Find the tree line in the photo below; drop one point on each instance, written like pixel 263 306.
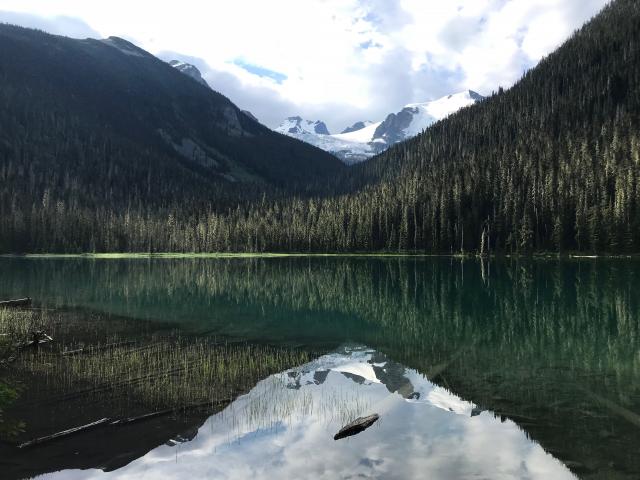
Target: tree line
pixel 552 164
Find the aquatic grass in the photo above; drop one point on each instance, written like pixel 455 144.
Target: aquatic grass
pixel 17 327
pixel 166 371
pixel 16 324
pixel 163 370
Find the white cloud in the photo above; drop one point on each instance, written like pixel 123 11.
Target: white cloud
pixel 344 60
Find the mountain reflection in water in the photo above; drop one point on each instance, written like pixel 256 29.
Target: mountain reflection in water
pixel 283 428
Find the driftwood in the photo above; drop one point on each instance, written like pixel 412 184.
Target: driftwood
pixel 64 433
pixel 140 418
pixel 21 302
pixel 161 413
pixel 357 426
pixel 113 423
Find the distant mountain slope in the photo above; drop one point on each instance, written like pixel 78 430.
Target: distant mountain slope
pixel 189 70
pixel 349 147
pixel 299 126
pixel 416 117
pixel 136 97
pixel 356 126
pixel 94 129
pixel 192 71
pixel 365 139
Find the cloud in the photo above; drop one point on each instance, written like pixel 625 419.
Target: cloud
pixel 336 60
pixel 61 25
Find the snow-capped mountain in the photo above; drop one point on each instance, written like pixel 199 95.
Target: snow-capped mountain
pixel 415 117
pixel 365 139
pixel 350 147
pixel 299 126
pixel 189 70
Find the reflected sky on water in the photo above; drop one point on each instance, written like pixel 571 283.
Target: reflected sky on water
pixel 284 427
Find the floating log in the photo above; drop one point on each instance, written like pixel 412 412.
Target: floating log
pixel 357 426
pixel 20 302
pixel 64 433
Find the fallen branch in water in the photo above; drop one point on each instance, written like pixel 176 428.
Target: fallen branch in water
pixel 161 413
pixel 139 418
pixel 112 422
pixel 64 433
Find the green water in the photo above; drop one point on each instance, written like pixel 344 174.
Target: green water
pixel 553 345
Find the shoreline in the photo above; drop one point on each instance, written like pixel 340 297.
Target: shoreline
pixel 220 255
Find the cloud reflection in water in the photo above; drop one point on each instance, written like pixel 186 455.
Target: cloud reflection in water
pixel 284 427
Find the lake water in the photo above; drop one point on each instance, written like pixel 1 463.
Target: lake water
pixel 478 369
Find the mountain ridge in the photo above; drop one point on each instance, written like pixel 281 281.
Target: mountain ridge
pixel 363 140
pixel 549 165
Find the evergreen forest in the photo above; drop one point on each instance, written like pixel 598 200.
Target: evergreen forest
pixel 154 162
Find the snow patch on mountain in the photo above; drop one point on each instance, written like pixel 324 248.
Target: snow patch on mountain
pixel 365 139
pixel 416 117
pixel 350 147
pixel 300 126
pixel 364 135
pixel 189 70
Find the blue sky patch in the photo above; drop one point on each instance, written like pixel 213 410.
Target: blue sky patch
pixel 260 71
pixel 369 44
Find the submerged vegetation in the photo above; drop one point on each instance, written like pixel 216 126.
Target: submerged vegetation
pixel 169 371
pixel 17 327
pixel 152 372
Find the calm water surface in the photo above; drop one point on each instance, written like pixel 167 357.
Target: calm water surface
pixel 501 369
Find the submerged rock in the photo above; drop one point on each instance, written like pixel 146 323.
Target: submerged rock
pixel 357 426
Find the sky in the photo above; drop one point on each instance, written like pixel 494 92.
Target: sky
pixel 339 61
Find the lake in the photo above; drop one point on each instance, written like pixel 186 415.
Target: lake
pixel 500 369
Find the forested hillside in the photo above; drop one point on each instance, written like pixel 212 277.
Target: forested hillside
pixel 93 132
pixel 552 164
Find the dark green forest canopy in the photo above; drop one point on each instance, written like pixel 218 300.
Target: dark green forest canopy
pixel 551 164
pixel 91 130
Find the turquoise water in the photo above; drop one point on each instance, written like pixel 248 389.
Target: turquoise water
pixel 544 353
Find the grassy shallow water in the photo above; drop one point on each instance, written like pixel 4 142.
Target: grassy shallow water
pixel 155 369
pixel 103 367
